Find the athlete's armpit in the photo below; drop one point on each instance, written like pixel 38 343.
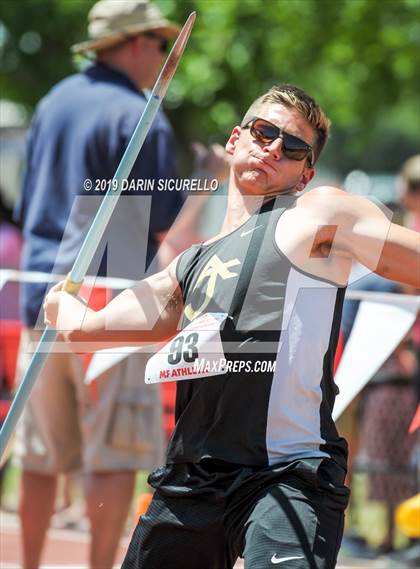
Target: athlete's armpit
pixel 323 241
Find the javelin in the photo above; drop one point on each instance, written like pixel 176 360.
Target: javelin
pixel 75 278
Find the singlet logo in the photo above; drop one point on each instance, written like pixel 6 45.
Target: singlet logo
pixel 213 269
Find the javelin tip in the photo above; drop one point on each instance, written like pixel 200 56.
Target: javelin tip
pixel 186 30
pixel 174 57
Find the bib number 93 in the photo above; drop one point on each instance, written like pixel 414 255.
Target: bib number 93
pixel 183 348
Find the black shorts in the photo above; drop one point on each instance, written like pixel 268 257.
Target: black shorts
pixel 205 516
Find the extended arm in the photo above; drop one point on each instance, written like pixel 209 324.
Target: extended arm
pixel 148 312
pixel 330 229
pixel 400 259
pixel 386 248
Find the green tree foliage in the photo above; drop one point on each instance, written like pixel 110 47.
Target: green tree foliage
pixel 35 36
pixel 359 58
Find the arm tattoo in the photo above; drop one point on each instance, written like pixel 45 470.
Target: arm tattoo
pixel 173 301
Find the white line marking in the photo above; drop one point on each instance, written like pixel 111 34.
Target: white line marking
pixel 54 566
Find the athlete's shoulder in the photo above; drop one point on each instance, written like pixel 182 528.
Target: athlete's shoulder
pixel 322 196
pixel 325 191
pixel 184 260
pixel 333 204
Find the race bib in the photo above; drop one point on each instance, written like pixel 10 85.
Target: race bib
pixel 196 352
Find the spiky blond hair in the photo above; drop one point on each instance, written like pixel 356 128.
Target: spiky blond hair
pixel 295 98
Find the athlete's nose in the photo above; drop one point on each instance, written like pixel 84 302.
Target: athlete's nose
pixel 274 149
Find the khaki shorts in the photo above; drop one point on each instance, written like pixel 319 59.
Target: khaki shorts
pixel 67 426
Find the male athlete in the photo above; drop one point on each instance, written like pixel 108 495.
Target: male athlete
pixel 255 466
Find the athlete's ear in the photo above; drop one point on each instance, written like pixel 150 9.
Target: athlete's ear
pixel 307 175
pixel 233 139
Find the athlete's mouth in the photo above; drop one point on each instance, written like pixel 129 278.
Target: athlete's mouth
pixel 262 161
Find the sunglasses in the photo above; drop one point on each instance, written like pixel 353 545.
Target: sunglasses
pixel 293 147
pixel 163 42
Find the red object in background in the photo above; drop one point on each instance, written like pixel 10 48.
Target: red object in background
pixel 9 344
pixel 415 423
pixel 339 351
pixel 168 392
pixel 142 506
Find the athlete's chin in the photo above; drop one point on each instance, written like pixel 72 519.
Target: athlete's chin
pixel 254 182
pixel 253 190
pixel 256 185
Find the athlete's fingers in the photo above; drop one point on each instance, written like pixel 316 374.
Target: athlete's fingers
pixel 58 286
pixel 51 306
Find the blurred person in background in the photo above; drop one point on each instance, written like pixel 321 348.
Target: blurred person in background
pixel 381 444
pixel 10 249
pixel 10 252
pixel 409 188
pixel 79 132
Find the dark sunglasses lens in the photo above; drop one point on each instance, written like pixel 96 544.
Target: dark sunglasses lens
pixel 295 148
pixel 264 132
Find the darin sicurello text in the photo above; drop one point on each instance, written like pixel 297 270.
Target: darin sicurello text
pixel 148 185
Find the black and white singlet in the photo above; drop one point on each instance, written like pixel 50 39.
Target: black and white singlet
pixel 277 313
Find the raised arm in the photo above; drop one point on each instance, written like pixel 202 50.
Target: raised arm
pixel 386 248
pixel 400 259
pixel 330 228
pixel 148 312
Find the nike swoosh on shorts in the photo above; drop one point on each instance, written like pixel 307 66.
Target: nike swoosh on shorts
pixel 276 559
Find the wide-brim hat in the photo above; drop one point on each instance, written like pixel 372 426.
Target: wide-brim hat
pixel 113 21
